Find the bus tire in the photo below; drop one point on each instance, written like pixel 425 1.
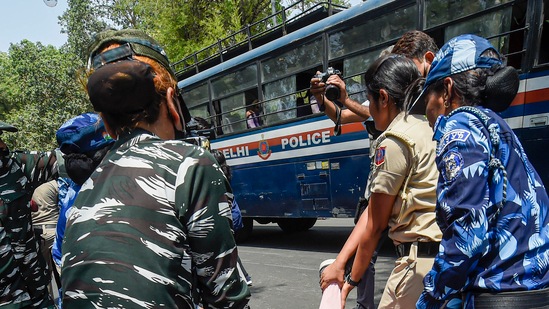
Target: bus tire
pixel 245 232
pixel 290 225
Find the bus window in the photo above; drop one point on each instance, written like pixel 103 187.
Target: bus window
pixel 543 55
pixel 375 31
pixel 234 82
pixel 486 25
pixel 197 100
pixel 218 117
pixel 356 88
pixel 278 106
pixel 354 69
pixel 438 12
pixel 233 113
pixel 293 61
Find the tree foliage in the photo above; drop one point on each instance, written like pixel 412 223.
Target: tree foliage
pixel 46 94
pixel 40 87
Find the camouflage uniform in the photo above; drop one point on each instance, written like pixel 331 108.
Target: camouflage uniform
pixel 23 272
pixel 152 228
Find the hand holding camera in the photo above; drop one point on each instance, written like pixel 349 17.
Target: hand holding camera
pixel 332 91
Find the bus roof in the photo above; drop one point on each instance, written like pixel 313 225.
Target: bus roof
pixel 329 22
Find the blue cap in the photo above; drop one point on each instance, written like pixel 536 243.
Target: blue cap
pixel 82 134
pixel 460 54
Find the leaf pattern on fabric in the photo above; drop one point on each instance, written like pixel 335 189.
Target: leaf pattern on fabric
pixel 485 249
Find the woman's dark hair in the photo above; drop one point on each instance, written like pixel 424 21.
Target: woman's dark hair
pixel 393 73
pixel 494 87
pixel 412 92
pixel 220 158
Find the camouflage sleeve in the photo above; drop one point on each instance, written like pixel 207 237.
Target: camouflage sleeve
pixel 204 193
pixel 39 167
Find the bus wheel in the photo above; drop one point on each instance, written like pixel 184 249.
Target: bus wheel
pixel 296 225
pixel 246 231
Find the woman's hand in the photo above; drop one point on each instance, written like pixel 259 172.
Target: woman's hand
pixel 345 290
pixel 332 273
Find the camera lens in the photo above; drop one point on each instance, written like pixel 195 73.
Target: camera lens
pixel 332 93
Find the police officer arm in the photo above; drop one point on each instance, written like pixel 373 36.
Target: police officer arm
pixel 462 192
pixel 335 272
pixel 387 177
pixel 330 109
pixel 379 211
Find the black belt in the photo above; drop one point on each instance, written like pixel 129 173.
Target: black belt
pixel 514 300
pixel 428 249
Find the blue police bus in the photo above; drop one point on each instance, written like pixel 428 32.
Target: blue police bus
pixel 293 169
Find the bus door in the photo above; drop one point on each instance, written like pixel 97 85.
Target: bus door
pixel 313 181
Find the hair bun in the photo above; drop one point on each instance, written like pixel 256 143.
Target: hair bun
pixel 501 88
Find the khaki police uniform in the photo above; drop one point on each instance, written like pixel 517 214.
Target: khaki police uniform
pixel 404 165
pixel 45 220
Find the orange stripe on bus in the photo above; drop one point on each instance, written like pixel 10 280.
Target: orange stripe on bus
pixel 276 141
pixel 533 96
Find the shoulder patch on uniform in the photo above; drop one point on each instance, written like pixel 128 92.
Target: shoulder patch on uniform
pixel 452 164
pixel 458 135
pixel 380 156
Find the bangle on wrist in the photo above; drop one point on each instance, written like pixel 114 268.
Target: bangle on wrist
pixel 351 281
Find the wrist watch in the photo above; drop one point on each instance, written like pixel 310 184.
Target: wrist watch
pixel 351 282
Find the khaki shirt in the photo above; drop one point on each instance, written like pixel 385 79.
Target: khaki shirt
pixel 45 197
pixel 392 162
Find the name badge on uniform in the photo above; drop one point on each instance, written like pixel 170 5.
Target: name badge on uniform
pixel 380 156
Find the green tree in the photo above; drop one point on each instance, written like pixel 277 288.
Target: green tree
pixel 48 94
pixel 8 85
pixel 39 89
pixel 81 21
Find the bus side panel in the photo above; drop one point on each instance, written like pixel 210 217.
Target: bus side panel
pixel 352 174
pixel 535 142
pixel 533 131
pixel 300 170
pixel 266 191
pixel 319 187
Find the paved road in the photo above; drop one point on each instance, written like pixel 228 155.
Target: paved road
pixel 284 267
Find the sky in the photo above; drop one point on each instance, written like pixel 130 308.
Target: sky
pixel 35 21
pixel 32 20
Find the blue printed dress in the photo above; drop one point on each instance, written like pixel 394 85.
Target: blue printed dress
pixel 484 249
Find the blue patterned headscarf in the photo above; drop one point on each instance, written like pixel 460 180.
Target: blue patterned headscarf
pixel 460 54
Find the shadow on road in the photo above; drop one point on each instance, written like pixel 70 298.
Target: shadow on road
pixel 320 238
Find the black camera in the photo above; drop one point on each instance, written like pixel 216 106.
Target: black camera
pixel 332 92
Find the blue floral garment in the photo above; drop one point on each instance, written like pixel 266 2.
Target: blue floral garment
pixel 483 250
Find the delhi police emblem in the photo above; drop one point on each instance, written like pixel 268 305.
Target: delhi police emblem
pixel 453 165
pixel 380 156
pixel 263 150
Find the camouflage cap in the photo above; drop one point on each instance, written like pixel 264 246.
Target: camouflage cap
pixel 7 127
pixel 138 41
